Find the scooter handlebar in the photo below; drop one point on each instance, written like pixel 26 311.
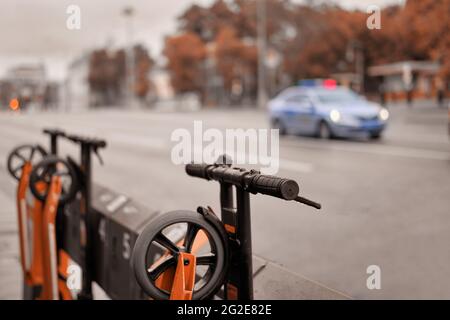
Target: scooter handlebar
pixel 93 142
pixel 54 132
pixel 197 170
pixel 251 181
pixel 274 186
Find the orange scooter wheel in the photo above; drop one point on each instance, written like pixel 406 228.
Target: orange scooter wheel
pixel 211 260
pixel 54 166
pixel 23 154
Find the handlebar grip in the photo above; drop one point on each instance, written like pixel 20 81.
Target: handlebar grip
pixel 197 170
pixel 100 143
pixel 273 186
pixel 97 143
pixel 54 132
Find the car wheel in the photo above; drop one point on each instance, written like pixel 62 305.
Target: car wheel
pixel 277 124
pixel 375 136
pixel 324 131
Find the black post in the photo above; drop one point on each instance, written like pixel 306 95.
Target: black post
pixel 53 144
pixel 86 232
pixel 244 237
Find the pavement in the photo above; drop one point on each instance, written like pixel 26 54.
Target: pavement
pixel 10 272
pixel 385 202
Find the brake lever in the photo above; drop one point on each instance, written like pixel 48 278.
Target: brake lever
pixel 308 202
pixel 98 156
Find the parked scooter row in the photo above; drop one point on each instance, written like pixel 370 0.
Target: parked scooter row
pixel 47 182
pixel 211 257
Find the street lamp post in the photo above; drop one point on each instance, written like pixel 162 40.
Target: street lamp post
pixel 262 48
pixel 360 66
pixel 355 52
pixel 128 13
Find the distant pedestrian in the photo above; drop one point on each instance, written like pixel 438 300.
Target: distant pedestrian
pixel 440 92
pixel 440 98
pixel 381 94
pixel 409 97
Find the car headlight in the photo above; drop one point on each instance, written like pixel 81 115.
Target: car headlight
pixel 335 115
pixel 383 114
pixel 343 119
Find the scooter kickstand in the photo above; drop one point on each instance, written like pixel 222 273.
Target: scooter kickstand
pixel 184 279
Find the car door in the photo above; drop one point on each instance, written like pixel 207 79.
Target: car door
pixel 299 114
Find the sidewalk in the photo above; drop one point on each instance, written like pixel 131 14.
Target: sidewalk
pixel 428 104
pixel 10 269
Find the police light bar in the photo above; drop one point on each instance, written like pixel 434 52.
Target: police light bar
pixel 309 82
pixel 324 83
pixel 329 84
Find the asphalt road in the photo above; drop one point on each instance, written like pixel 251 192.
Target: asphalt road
pixel 385 203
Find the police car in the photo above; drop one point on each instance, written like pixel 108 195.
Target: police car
pixel 326 110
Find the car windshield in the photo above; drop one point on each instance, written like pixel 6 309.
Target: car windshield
pixel 337 95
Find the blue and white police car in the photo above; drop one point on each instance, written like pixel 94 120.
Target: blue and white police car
pixel 326 110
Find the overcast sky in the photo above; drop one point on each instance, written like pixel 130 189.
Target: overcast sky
pixel 35 30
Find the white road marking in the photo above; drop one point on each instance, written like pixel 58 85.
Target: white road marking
pixel 297 166
pixel 139 141
pixel 396 151
pixel 290 164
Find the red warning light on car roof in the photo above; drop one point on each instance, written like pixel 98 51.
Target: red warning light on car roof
pixel 14 104
pixel 329 84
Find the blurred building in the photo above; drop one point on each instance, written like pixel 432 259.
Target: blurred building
pixel 214 91
pixel 163 97
pixel 409 81
pixel 28 83
pixel 6 94
pixel 162 87
pixel 77 93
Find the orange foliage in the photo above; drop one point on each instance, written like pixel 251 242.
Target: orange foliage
pixel 234 58
pixel 314 41
pixel 185 54
pixel 107 73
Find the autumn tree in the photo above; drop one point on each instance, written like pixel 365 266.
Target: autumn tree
pixel 314 38
pixel 322 41
pixel 230 28
pixel 417 31
pixel 185 54
pixel 107 74
pixel 206 22
pixel 427 25
pixel 143 64
pixel 236 61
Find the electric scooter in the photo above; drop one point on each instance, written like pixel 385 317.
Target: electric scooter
pixel 20 164
pixel 225 260
pixel 50 172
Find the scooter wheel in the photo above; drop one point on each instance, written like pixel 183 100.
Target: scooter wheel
pixel 23 154
pixel 49 167
pixel 211 258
